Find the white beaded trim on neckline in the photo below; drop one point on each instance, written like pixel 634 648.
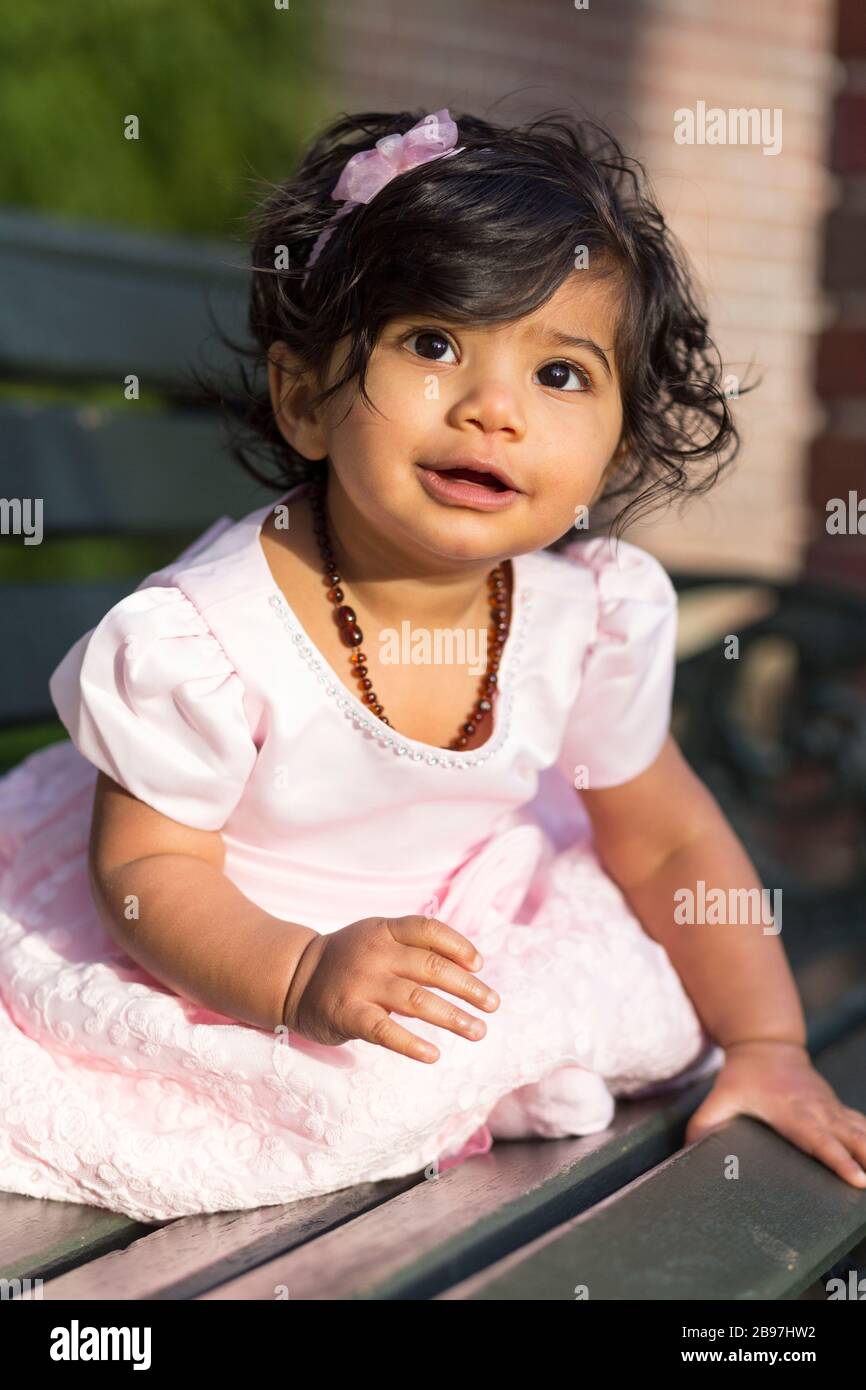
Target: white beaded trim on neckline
pixel 387 738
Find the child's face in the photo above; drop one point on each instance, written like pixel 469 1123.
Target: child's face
pixel 549 413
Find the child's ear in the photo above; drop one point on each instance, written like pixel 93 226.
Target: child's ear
pixel 291 390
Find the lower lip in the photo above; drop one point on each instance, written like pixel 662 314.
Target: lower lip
pixel 447 489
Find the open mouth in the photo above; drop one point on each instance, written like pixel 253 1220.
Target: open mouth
pixel 464 486
pixel 469 475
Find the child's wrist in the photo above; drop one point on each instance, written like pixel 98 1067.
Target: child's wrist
pixel 797 1043
pixel 300 971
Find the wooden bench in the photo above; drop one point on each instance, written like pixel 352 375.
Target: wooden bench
pixel 626 1214
pixel 81 310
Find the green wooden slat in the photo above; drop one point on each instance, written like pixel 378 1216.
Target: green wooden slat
pixel 88 559
pixel 79 301
pixel 40 1239
pixel 105 471
pixel 188 1256
pixel 687 1232
pixel 37 629
pixel 18 743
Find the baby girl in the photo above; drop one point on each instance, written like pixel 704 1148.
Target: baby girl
pixel 311 900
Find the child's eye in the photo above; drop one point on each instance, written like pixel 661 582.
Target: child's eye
pixel 563 369
pixel 434 336
pixel 437 341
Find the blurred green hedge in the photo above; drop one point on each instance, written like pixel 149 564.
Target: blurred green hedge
pixel 223 91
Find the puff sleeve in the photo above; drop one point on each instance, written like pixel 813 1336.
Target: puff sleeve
pixel 621 716
pixel 150 697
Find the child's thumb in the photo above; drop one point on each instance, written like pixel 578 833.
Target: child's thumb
pixel 714 1111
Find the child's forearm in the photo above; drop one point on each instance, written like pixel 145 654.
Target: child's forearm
pixel 192 929
pixel 735 972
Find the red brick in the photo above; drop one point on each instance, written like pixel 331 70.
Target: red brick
pixel 851 29
pixel 849 133
pixel 841 363
pixel 836 466
pixel 845 264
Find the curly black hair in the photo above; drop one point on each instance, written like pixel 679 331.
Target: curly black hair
pixel 486 236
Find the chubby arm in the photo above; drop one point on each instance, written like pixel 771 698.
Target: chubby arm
pixel 663 831
pixel 161 894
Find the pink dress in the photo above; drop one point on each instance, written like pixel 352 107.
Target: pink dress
pixel 202 695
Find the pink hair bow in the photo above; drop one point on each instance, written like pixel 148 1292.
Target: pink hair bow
pixel 368 171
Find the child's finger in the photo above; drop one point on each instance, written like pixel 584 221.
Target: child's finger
pixel 823 1145
pixel 372 1024
pixel 436 970
pixel 404 997
pixel 856 1117
pixel 852 1133
pixel 429 931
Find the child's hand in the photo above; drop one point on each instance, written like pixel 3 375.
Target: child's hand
pixel 776 1082
pixel 347 982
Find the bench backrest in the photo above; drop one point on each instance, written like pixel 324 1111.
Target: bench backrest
pixel 83 309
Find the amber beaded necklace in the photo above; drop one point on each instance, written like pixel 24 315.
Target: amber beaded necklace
pixel 352 636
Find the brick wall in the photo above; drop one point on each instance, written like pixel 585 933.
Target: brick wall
pixel 752 223
pixel 838 458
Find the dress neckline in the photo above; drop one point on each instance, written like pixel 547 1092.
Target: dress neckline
pixel 354 708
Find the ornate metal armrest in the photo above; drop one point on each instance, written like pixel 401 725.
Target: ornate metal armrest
pixel 772 716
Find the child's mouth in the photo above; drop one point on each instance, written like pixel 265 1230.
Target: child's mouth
pixel 468 487
pixel 471 476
